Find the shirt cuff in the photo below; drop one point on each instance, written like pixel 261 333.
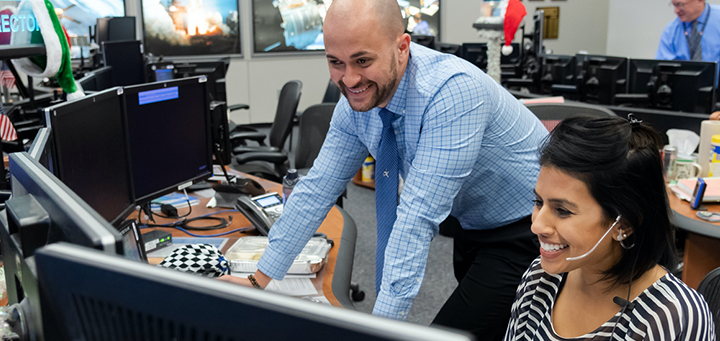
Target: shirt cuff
pixel 275 263
pixel 392 307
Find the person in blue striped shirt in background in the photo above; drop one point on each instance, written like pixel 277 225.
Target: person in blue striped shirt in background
pixel 603 221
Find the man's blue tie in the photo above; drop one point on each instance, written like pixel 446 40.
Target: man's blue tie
pixel 386 191
pixel 694 42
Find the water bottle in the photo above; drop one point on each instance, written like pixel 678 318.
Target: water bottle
pixel 289 182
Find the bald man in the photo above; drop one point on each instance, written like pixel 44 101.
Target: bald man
pixel 465 148
pixel 694 34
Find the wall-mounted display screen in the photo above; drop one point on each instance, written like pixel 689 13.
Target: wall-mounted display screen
pixel 191 27
pixel 78 15
pixel 296 25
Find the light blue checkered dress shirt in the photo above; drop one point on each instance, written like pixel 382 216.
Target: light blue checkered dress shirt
pixel 467 148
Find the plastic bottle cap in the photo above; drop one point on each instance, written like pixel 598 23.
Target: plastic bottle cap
pixel 292 173
pixel 716 139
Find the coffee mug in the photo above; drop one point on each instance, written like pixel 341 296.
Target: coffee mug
pixel 687 169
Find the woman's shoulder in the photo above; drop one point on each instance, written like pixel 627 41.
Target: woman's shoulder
pixel 679 307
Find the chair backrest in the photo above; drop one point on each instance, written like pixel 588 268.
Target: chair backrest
pixel 314 125
pixel 286 110
pixel 710 289
pixel 550 114
pixel 332 93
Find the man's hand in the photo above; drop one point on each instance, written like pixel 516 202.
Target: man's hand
pixel 715 116
pixel 235 280
pixel 262 279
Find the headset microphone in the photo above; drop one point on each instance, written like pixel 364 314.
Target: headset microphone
pixel 598 242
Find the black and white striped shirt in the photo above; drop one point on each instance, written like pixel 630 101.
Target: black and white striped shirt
pixel 667 310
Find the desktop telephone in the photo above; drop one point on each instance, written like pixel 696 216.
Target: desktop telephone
pixel 262 210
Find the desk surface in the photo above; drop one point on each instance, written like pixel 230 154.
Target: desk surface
pixel 702 243
pixel 686 218
pixel 333 280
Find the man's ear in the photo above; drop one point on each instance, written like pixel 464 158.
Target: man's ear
pixel 403 45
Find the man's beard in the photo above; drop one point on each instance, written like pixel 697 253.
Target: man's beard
pixel 382 92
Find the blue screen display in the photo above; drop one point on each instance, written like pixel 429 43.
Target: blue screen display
pixel 159 95
pixel 163 75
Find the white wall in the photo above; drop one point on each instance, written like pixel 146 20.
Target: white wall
pixel 634 27
pixel 583 24
pixel 257 80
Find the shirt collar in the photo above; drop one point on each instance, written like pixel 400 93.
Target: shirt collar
pixel 701 19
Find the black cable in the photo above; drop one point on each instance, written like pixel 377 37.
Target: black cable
pixel 627 299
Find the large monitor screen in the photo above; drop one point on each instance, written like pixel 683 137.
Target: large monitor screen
pixel 169 130
pixel 97 296
pixel 190 27
pixel 296 25
pixel 91 153
pixel 77 15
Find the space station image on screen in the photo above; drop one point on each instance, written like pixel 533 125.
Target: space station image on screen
pixel 297 25
pixel 191 27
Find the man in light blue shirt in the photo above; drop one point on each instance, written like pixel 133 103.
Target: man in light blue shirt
pixel 692 16
pixel 421 26
pixel 468 153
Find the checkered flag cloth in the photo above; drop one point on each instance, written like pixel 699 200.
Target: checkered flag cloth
pixel 202 259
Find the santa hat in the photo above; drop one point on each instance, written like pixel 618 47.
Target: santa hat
pixel 513 16
pixel 56 61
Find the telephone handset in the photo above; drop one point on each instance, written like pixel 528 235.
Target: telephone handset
pixel 262 210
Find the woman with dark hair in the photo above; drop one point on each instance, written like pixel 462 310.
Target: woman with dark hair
pixel 603 221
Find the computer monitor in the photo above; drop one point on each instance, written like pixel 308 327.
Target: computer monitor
pixel 558 70
pixel 222 146
pixel 126 58
pixel 114 29
pixel 100 296
pixel 98 79
pixel 687 86
pixel 601 77
pixel 424 40
pixel 38 150
pixel 538 48
pixel 213 70
pixel 160 71
pixel 42 211
pixel 169 134
pixel 454 49
pixel 476 54
pixel 90 152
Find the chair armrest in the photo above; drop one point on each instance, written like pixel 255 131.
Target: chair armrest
pixel 272 157
pixel 26 123
pixel 238 107
pixel 4 195
pixel 28 132
pixel 253 136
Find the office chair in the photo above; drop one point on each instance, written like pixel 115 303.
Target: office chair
pixel 710 289
pixel 332 93
pixel 281 127
pixel 314 125
pixel 550 114
pixel 247 156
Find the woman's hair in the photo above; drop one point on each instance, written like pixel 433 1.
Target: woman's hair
pixel 619 161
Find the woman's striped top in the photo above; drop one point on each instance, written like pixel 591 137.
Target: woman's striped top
pixel 667 310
